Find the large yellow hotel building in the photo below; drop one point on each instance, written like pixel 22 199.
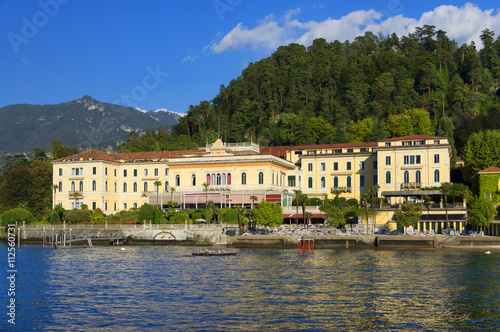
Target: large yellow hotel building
pixel 235 172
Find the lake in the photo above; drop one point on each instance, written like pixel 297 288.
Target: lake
pixel 166 288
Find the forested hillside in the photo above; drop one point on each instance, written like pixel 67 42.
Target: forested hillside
pixel 372 88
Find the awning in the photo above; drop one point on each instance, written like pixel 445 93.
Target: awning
pixel 404 193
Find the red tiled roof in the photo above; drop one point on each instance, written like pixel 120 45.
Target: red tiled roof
pixel 490 170
pixel 278 151
pixel 412 137
pixel 332 146
pixel 94 154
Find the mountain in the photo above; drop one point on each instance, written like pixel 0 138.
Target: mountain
pixel 165 116
pixel 81 123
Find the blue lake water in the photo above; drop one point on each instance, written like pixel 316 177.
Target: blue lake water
pixel 166 288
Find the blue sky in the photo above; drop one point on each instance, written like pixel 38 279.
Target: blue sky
pixel 156 54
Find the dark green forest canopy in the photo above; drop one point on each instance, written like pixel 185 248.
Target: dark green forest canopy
pixel 353 91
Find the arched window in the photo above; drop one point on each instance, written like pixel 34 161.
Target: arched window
pixel 323 182
pixel 134 187
pixel 336 181
pixel 349 181
pixel 81 185
pixel 228 178
pixel 310 182
pixel 106 185
pixel 261 178
pixel 406 177
pixel 59 186
pixel 224 178
pixel 116 187
pixel 243 178
pixel 177 180
pixel 73 186
pixel 218 179
pixel 145 187
pixel 388 177
pixel 418 176
pixel 193 180
pixel 277 181
pixel 272 179
pixel 166 186
pixel 436 176
pixel 375 179
pixel 94 185
pixel 361 180
pixel 124 187
pixel 208 178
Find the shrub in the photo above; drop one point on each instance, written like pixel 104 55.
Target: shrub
pixel 352 202
pixel 76 216
pixel 54 218
pixel 17 215
pixel 315 201
pixel 146 212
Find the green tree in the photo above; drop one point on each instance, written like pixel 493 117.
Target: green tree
pixel 481 211
pixel 41 185
pixel 17 215
pixel 15 188
pixel 409 215
pixel 481 151
pixel 78 216
pixel 268 214
pixel 146 213
pixel 157 184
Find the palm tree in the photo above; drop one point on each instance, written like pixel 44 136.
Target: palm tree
pixel 240 210
pixel 304 198
pixel 172 190
pixel 308 215
pixel 205 188
pixel 75 195
pixel 445 190
pixel 298 194
pixel 373 190
pixel 253 199
pixel 157 184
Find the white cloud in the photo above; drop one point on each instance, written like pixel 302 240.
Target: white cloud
pixel 189 58
pixel 464 24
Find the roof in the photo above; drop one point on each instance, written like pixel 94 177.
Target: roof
pixel 332 146
pixel 412 137
pixel 490 170
pixel 278 151
pixel 410 193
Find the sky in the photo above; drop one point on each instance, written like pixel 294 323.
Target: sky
pixel 166 54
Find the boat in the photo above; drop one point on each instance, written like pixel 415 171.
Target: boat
pixel 208 252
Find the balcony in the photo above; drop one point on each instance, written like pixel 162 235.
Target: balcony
pixel 342 189
pixel 411 185
pixel 75 194
pixel 221 187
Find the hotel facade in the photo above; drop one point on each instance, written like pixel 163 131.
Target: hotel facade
pixel 234 173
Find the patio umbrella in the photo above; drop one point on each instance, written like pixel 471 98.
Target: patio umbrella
pixel 200 219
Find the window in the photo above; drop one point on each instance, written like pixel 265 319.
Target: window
pixel 218 179
pixel 229 178
pixel 134 187
pixel 418 177
pixel 125 187
pixel 105 172
pixel 375 179
pixel 116 187
pixel 350 150
pixel 388 144
pixel 60 172
pixel 94 185
pixel 336 181
pixel 322 166
pixel 411 160
pixel 335 166
pixel 224 179
pixel 146 172
pixel 106 185
pixel 166 186
pixel 436 175
pixel 436 141
pixel 106 206
pixel 134 205
pixel 311 152
pixel 124 173
pixel 310 167
pixel 177 180
pixel 374 164
pixel 166 171
pixel 291 181
pixel 361 165
pixel 156 172
pixel 406 177
pixel 59 186
pixel 193 180
pixel 348 165
pixel 94 170
pixel 261 178
pixel 115 175
pixel 73 186
pixel 388 177
pixel 361 180
pixel 362 150
pixel 114 206
pixel 135 172
pixel 388 160
pixel 323 182
pixel 436 159
pixel 145 187
pixel 94 205
pixel 244 178
pixel 337 151
pixel 349 181
pixel 310 182
pixel 125 206
pixel 81 185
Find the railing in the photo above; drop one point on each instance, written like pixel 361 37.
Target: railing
pixel 222 187
pixel 411 185
pixel 74 194
pixel 342 189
